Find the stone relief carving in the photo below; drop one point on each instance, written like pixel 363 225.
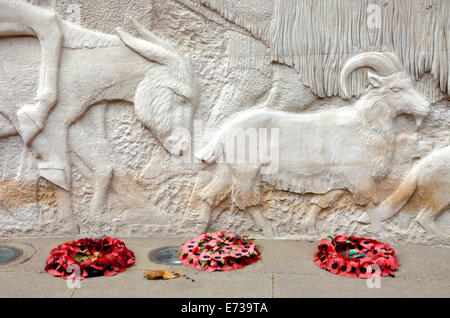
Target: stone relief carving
pixel 424 194
pixel 295 37
pixel 348 99
pixel 157 80
pixel 19 18
pixel 346 149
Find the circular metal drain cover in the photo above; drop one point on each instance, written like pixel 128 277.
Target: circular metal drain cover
pixel 9 254
pixel 166 255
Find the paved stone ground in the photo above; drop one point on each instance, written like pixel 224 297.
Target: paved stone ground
pixel 285 270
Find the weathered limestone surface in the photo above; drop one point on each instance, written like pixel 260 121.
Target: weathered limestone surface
pixel 116 116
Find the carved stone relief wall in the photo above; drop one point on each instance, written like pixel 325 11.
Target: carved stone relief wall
pixel 280 118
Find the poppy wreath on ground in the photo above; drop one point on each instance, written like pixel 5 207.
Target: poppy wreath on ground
pixel 356 257
pixel 89 258
pixel 217 251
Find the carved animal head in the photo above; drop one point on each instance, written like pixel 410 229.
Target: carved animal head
pixel 166 98
pixel 389 84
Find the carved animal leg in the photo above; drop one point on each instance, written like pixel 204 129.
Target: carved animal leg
pixel 101 186
pixel 47 29
pixel 205 217
pixel 434 192
pixel 100 179
pixel 427 220
pixel 408 212
pixel 14 29
pixel 317 205
pixel 378 228
pixel 404 219
pixel 311 217
pixel 17 29
pixel 213 193
pixel 375 222
pixel 260 221
pixel 93 157
pixel 198 204
pixel 7 129
pixel 69 226
pixel 437 203
pixel 246 193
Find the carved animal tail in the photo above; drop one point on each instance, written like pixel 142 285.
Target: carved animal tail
pixel 212 150
pixel 396 201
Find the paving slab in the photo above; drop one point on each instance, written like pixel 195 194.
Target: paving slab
pixel 212 285
pixel 33 285
pixel 305 285
pixel 39 252
pixel 423 262
pixel 285 270
pixel 286 256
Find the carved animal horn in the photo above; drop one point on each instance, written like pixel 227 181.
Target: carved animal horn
pixel 147 49
pixel 149 36
pixel 395 60
pixel 379 62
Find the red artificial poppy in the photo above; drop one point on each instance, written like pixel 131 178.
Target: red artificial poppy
pixel 324 243
pixel 368 270
pixel 335 265
pixel 356 257
pixel 89 258
pixel 218 251
pixel 321 258
pixel 350 269
pixel 340 239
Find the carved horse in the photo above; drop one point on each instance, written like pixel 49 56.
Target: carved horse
pixel 95 68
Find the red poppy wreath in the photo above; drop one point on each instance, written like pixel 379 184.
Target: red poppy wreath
pixel 217 251
pixel 356 257
pixel 89 258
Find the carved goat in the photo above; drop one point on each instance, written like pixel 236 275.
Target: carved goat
pixel 341 149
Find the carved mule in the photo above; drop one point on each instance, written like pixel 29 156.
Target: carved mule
pixel 320 152
pixel 97 68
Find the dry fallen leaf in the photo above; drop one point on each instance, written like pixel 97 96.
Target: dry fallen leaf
pixel 158 274
pixel 95 256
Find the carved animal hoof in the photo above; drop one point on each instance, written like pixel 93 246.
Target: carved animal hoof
pixel 267 231
pixel 203 227
pixel 446 238
pixel 309 227
pixel 312 231
pixel 56 176
pixel 364 218
pixel 29 128
pixel 69 228
pixel 309 237
pixel 382 235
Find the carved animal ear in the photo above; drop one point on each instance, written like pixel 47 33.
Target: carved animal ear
pixel 149 50
pixel 374 80
pixel 149 36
